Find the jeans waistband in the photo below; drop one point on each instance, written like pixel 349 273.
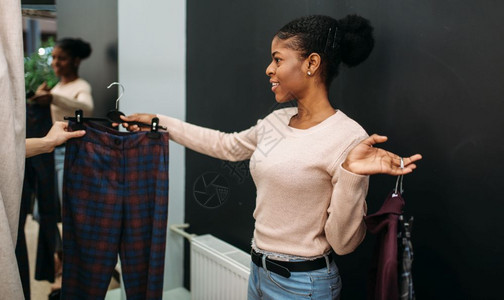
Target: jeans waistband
pixel 284 268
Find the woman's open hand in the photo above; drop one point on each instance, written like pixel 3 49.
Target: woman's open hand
pixel 365 159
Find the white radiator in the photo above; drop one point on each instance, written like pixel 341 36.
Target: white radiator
pixel 219 271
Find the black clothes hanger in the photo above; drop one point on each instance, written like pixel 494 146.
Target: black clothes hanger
pixel 113 116
pixel 79 123
pixel 79 120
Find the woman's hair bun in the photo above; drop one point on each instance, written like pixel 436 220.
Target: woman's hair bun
pixel 357 39
pixel 75 47
pixel 84 49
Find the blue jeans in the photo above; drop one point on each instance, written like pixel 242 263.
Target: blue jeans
pixel 59 163
pixel 322 284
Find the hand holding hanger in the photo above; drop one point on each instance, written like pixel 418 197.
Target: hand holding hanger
pixel 58 135
pixel 131 122
pixel 365 159
pixel 116 116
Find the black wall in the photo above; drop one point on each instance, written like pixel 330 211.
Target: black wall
pixel 433 85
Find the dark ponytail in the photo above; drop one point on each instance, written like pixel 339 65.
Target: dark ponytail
pixel 349 41
pixel 75 47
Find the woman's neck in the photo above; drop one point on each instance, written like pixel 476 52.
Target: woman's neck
pixel 311 111
pixel 69 78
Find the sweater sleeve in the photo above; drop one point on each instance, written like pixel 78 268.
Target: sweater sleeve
pixel 83 100
pixel 234 146
pixel 345 228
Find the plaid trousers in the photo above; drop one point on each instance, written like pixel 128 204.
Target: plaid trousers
pixel 115 200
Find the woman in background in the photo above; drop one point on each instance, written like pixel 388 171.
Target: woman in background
pixel 68 95
pixel 71 93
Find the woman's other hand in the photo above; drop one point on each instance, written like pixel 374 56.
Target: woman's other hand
pixel 42 95
pixel 365 159
pixel 59 134
pixel 56 136
pixel 43 88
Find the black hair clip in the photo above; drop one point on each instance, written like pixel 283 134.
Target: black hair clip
pixel 334 37
pixel 327 40
pixel 332 41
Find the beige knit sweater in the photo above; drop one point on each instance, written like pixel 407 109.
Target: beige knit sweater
pixel 306 202
pixel 69 97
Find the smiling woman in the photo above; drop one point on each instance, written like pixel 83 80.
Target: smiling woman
pixel 318 208
pixel 71 92
pixel 306 55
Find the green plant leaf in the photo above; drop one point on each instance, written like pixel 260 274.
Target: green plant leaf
pixel 38 68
